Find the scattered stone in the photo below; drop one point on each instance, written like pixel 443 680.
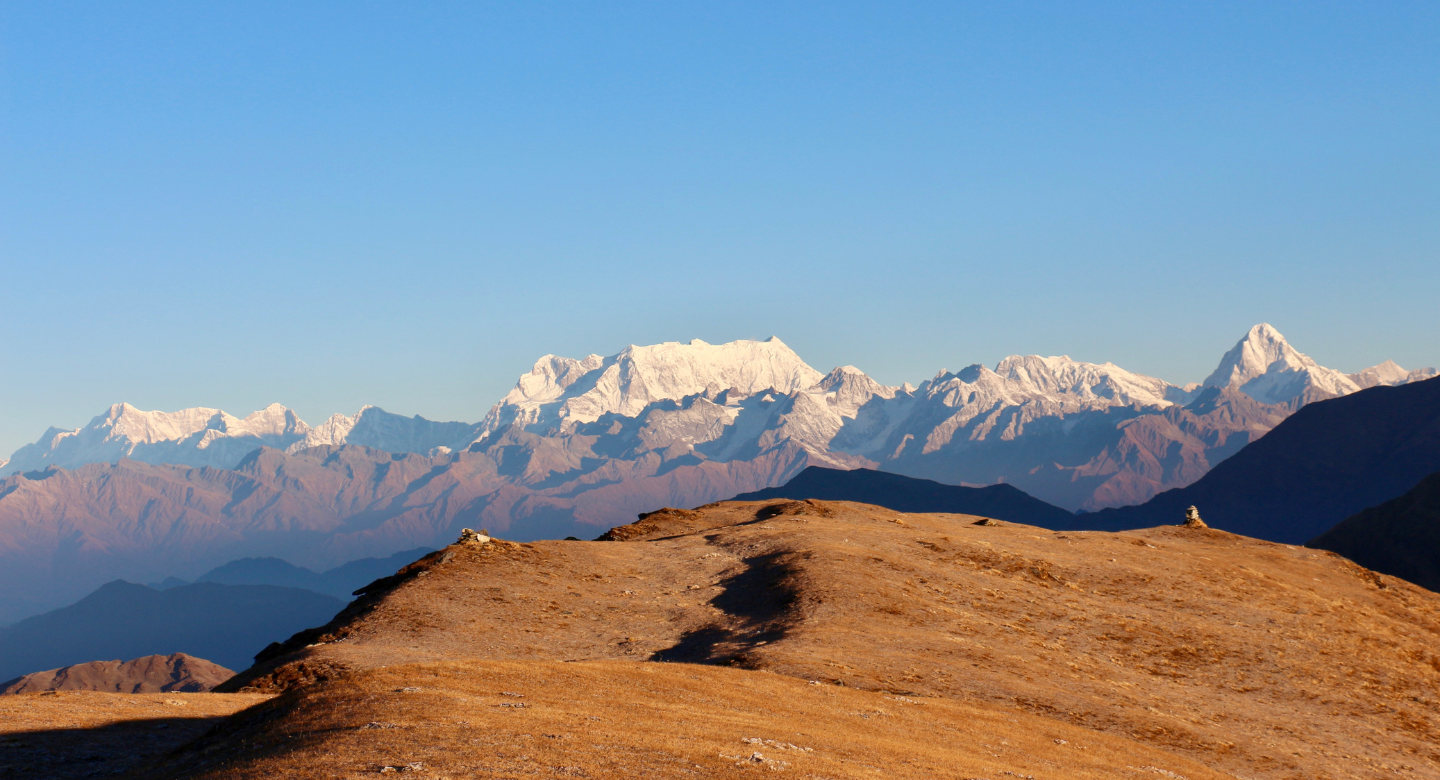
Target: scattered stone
pixel 776 744
pixel 1192 519
pixel 987 521
pixel 413 766
pixel 471 536
pixel 1158 771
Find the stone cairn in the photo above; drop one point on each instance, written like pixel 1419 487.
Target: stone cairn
pixel 471 536
pixel 1192 519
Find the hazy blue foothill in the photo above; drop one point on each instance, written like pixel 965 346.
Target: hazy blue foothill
pixel 341 581
pixel 226 624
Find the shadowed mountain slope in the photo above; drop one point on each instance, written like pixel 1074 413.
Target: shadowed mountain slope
pixel 340 582
pixel 1173 649
pixel 151 674
pixel 227 624
pixel 1326 462
pixel 1400 537
pixel 908 494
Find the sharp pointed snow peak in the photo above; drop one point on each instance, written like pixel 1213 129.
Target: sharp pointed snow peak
pixel 1262 350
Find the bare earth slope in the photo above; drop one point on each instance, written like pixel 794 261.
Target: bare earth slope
pixel 1192 647
pixel 176 672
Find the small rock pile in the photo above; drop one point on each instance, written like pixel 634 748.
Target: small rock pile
pixel 471 536
pixel 1192 519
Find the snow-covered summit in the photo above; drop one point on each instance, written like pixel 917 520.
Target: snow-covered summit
pixel 199 436
pixel 1075 433
pixel 1389 373
pixel 1265 367
pixel 561 392
pixel 202 436
pixel 1035 375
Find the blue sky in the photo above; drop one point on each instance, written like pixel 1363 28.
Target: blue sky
pixel 328 205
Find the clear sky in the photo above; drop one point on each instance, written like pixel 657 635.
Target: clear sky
pixel 405 204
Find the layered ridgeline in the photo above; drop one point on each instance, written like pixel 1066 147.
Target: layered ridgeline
pixel 1078 435
pixel 1318 467
pixel 582 445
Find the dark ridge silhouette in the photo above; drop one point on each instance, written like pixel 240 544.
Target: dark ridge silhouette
pixel 1400 537
pixel 1324 463
pixel 340 582
pixel 226 624
pixel 908 494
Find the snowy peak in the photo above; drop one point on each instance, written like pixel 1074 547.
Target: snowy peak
pixel 1035 375
pixel 563 392
pixel 1265 367
pixel 199 436
pixel 847 388
pixel 1389 373
pixel 1261 351
pixel 124 421
pixel 332 432
pixel 273 420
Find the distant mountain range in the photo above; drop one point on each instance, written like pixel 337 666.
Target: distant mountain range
pixel 340 582
pixel 1323 464
pixel 582 445
pixel 227 624
pixel 1078 435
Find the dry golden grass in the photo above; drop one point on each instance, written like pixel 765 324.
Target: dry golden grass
pixel 70 734
pixel 613 719
pixel 1165 650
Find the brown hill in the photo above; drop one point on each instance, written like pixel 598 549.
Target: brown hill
pixel 151 674
pixel 924 644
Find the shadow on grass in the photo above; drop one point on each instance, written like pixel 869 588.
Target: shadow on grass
pixel 756 602
pixel 123 749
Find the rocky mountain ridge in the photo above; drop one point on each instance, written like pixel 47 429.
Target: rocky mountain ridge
pixel 1079 435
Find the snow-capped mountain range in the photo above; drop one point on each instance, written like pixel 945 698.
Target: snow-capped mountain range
pixel 582 445
pixel 1079 435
